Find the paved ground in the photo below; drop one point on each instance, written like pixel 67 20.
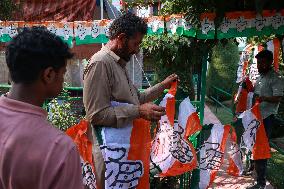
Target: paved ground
pixel 223 180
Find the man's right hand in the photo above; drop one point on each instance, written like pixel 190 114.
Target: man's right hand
pixel 151 111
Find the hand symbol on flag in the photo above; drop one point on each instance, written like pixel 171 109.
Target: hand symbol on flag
pixel 89 179
pixel 120 172
pixel 179 148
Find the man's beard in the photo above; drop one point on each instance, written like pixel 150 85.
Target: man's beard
pixel 123 53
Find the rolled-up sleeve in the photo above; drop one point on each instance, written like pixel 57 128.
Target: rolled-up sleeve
pixel 97 98
pixel 151 93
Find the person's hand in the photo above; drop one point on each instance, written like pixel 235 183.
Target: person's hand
pixel 167 82
pixel 151 111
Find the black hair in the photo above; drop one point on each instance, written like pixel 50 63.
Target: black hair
pixel 33 50
pixel 129 24
pixel 268 55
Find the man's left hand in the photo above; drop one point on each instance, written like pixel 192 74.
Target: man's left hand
pixel 168 81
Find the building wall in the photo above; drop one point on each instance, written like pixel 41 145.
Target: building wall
pixel 4 73
pixel 75 68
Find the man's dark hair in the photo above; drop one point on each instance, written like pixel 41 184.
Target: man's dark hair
pixel 129 24
pixel 268 55
pixel 33 50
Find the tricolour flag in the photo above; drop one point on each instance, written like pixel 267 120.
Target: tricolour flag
pixel 78 133
pixel 254 137
pixel 172 154
pixel 126 152
pixel 235 156
pixel 212 154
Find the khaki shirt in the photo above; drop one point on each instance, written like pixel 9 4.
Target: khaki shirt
pixel 106 80
pixel 270 84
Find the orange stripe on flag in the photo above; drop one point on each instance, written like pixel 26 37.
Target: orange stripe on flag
pixel 192 125
pixel 276 44
pixel 261 148
pixel 78 134
pixel 222 149
pixel 140 147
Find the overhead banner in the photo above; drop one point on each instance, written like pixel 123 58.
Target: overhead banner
pixel 234 24
pixel 91 32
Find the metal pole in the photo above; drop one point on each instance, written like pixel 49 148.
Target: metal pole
pixel 194 182
pixel 102 9
pixel 203 86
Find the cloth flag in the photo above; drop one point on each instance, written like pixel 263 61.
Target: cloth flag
pixel 126 152
pixel 235 156
pixel 172 154
pixel 244 96
pixel 78 135
pixel 212 154
pixel 254 137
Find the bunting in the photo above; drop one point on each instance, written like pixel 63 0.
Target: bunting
pixel 234 24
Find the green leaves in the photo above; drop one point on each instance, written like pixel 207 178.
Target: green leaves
pixel 60 114
pixel 7 7
pixel 171 54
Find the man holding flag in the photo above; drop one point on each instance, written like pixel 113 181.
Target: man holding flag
pixel 269 89
pixel 114 105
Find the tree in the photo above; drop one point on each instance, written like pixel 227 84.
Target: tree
pixel 7 7
pixel 222 68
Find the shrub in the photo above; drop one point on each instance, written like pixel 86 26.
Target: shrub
pixel 222 69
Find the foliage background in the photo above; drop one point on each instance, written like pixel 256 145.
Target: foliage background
pixel 223 68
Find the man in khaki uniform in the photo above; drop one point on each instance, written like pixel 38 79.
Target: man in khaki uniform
pixel 269 88
pixel 106 80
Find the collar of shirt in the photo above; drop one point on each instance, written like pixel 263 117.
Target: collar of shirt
pixel 116 58
pixel 19 106
pixel 267 73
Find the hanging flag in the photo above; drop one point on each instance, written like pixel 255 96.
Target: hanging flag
pixel 172 153
pixel 274 47
pixel 207 30
pixel 79 136
pixel 2 31
pixel 10 30
pixel 244 96
pixel 155 25
pixel 62 29
pixel 126 152
pixel 212 154
pixel 235 156
pixel 243 63
pixel 177 24
pixel 91 32
pixel 254 137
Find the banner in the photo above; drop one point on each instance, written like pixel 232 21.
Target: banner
pixel 234 24
pixel 207 30
pixel 244 96
pixel 126 152
pixel 248 23
pixel 235 156
pixel 254 137
pixel 155 25
pixel 79 136
pixel 172 153
pixel 243 63
pixel 176 24
pixel 91 32
pixel 212 154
